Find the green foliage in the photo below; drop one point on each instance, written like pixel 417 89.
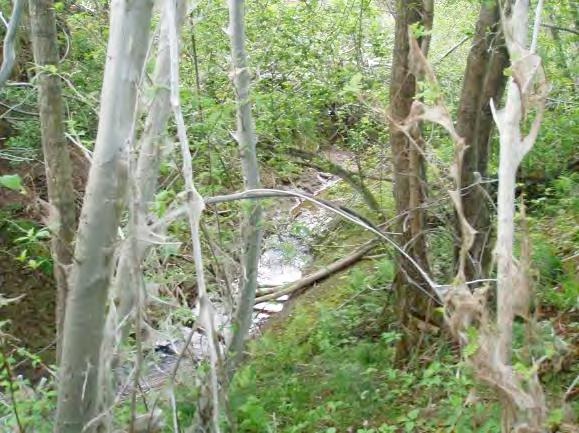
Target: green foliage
pixel 31 408
pixel 25 145
pixel 319 72
pixel 418 30
pixel 473 343
pixel 555 236
pixel 11 181
pixel 331 368
pixel 428 92
pixel 29 242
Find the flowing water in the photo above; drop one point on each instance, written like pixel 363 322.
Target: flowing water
pixel 285 254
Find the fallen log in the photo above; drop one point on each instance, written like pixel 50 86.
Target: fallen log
pixel 320 274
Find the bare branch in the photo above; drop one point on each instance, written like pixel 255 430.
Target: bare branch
pixel 563 29
pixel 195 206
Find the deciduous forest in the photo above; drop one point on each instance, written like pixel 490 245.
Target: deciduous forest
pixel 286 216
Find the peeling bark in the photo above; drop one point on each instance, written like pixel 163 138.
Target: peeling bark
pixel 465 310
pixel 78 391
pixel 150 146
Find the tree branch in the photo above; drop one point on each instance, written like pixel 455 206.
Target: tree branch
pixel 321 274
pixel 562 29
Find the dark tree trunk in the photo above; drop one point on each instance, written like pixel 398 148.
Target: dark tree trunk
pixel 409 183
pixel 54 145
pixel 484 70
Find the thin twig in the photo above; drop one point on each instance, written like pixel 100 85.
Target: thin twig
pixel 451 50
pixel 536 26
pixel 571 388
pixel 563 29
pixel 12 394
pixel 195 207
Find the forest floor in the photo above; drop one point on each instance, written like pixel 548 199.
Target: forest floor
pixel 32 317
pixel 25 262
pixel 326 363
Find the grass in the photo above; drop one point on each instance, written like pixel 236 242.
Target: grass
pixel 327 366
pixel 326 363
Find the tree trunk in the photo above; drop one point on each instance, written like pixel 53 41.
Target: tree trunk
pixel 484 70
pixel 150 146
pixel 409 182
pixel 54 145
pixel 8 49
pixel 514 145
pixel 427 22
pixel 78 392
pixel 245 136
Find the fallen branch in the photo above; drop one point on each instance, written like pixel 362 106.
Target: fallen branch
pixel 355 180
pixel 321 274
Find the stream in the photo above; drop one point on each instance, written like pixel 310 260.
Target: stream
pixel 286 252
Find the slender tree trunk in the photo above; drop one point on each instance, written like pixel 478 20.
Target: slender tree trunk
pixel 561 55
pixel 484 70
pixel 149 160
pixel 78 392
pixel 527 82
pixel 54 145
pixel 127 294
pixel 8 49
pixel 246 138
pixel 409 184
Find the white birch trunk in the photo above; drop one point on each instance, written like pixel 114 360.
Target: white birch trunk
pixel 78 392
pixel 526 83
pixel 9 52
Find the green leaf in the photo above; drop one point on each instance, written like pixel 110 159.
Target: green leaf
pixel 354 86
pixel 22 256
pixel 11 181
pixel 43 234
pixel 413 414
pixel 472 346
pixel 556 417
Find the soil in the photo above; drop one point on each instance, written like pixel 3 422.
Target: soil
pixel 32 318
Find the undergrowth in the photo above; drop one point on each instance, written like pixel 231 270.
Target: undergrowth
pixel 329 368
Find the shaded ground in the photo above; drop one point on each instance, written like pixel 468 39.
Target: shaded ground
pixel 32 317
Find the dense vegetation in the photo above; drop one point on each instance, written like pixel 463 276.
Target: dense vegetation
pixel 330 361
